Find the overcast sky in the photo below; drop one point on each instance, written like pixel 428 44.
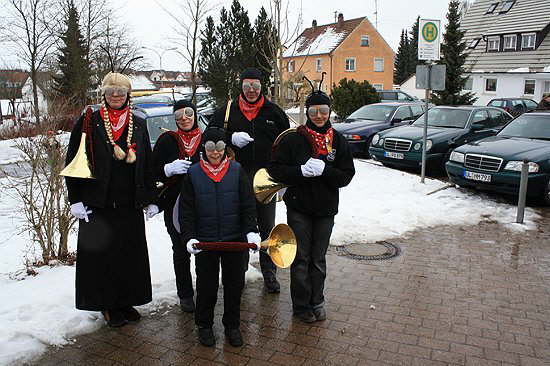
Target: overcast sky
pixel 151 26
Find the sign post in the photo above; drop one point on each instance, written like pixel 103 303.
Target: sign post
pixel 429 38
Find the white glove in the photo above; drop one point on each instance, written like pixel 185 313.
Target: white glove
pixel 316 166
pixel 254 238
pixel 150 211
pixel 306 170
pixel 178 166
pixel 191 249
pixel 80 211
pixel 241 139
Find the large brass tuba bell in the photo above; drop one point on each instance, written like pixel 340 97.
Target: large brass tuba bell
pixel 265 188
pixel 281 245
pixel 79 166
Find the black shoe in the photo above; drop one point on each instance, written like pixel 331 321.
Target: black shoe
pixel 187 305
pixel 114 318
pixel 272 286
pixel 206 336
pixel 234 336
pixel 306 316
pixel 130 314
pixel 320 314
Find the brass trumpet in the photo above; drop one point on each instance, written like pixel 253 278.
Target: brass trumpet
pixel 79 167
pixel 280 245
pixel 265 188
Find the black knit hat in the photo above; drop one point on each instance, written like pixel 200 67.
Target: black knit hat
pixel 214 134
pixel 182 103
pixel 251 73
pixel 317 97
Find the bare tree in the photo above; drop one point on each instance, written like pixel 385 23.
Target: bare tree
pixel 189 18
pixel 31 32
pixel 284 36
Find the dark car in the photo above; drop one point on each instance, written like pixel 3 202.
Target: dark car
pixel 494 163
pixel 396 96
pixel 448 127
pixel 161 119
pixel 514 106
pixel 360 127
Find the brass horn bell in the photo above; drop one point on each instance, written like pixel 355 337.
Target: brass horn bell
pixel 265 188
pixel 281 245
pixel 79 166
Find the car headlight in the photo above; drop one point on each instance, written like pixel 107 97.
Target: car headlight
pixel 381 143
pixel 429 144
pixel 375 139
pixel 457 157
pixel 417 146
pixel 516 166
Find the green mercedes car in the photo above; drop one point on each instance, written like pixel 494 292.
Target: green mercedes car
pixel 494 163
pixel 448 127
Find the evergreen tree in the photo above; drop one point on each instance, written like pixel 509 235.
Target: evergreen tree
pixel 413 48
pixel 227 49
pixel 402 59
pixel 74 81
pixel 454 53
pixel 350 95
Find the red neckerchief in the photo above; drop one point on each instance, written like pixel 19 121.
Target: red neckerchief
pixel 191 140
pixel 216 173
pixel 323 141
pixel 250 110
pixel 119 119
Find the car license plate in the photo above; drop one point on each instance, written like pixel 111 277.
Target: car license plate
pixel 477 176
pixel 394 155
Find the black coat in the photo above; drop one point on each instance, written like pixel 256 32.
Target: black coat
pixel 166 150
pixel 315 196
pixel 96 192
pixel 191 197
pixel 264 129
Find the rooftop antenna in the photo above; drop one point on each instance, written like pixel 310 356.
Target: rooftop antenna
pixel 376 14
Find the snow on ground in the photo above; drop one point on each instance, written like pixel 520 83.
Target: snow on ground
pixel 10 154
pixel 380 203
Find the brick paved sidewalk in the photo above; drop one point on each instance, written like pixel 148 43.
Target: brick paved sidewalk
pixel 456 296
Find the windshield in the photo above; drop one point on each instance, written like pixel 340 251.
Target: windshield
pixel 373 112
pixel 533 127
pixel 158 125
pixel 444 117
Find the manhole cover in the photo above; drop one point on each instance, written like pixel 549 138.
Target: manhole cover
pixel 372 251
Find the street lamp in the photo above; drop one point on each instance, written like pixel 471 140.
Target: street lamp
pixel 159 54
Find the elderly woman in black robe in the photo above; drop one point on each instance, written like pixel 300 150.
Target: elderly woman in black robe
pixel 112 266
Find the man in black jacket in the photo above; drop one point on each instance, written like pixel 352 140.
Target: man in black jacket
pixel 252 126
pixel 173 154
pixel 315 162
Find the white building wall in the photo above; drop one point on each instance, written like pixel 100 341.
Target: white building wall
pixel 508 86
pixel 409 87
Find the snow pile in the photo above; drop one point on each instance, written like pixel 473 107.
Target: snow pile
pixel 380 203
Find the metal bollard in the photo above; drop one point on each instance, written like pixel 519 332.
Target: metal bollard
pixel 522 191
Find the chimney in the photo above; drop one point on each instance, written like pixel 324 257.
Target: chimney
pixel 340 18
pixel 314 24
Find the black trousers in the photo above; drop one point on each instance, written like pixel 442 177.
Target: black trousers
pixel 182 265
pixel 309 269
pixel 207 267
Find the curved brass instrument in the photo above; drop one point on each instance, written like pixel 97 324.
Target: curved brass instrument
pixel 265 187
pixel 281 245
pixel 79 166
